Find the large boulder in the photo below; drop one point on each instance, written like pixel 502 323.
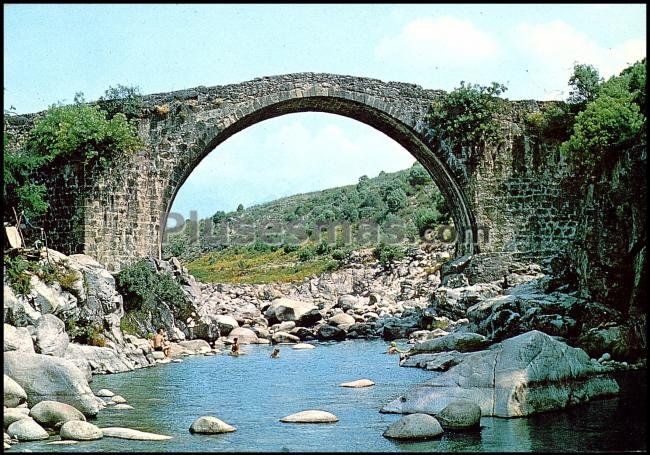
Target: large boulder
pixel 17 339
pixel 225 323
pixel 27 430
pixel 341 320
pixel 80 431
pixel 14 394
pixel 100 360
pixel 17 309
pixel 414 426
pixel 460 415
pixel 210 425
pixel 310 416
pixel 523 375
pixel 329 332
pixel 52 413
pixel 51 337
pixel 196 346
pixel 457 341
pixel 12 415
pixel 243 335
pixel 285 309
pixel 284 337
pixel 51 299
pixel 358 383
pixel 45 377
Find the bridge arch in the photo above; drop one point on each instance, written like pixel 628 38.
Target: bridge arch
pixel 395 123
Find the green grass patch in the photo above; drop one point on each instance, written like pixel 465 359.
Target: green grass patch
pixel 257 267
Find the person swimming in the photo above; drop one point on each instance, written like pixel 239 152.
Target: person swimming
pixel 276 353
pixel 234 349
pixel 392 348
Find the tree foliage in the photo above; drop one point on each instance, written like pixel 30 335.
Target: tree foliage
pixel 465 116
pixel 612 122
pixel 585 83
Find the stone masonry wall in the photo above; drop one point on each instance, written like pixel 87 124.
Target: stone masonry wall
pixel 512 190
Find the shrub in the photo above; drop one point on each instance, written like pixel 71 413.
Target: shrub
pixel 426 218
pixel 387 254
pixel 306 253
pixel 142 287
pixel 18 271
pixel 466 115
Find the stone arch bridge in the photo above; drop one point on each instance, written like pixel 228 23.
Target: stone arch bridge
pixel 505 201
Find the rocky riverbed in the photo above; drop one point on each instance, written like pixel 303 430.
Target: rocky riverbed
pixel 454 314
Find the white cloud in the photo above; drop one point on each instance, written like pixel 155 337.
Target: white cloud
pixel 444 40
pixel 553 48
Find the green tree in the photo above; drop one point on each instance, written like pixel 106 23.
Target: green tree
pixel 609 124
pixel 240 208
pixel 418 175
pixel 395 199
pixel 426 218
pixel 585 83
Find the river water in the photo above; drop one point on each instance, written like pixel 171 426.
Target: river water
pixel 253 392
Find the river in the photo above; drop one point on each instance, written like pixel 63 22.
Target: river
pixel 253 392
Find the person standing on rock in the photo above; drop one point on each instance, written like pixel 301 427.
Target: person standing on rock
pixel 159 342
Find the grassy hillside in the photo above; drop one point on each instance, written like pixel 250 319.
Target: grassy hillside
pixel 305 234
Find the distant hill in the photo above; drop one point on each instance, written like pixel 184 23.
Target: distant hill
pixel 289 239
pixel 400 205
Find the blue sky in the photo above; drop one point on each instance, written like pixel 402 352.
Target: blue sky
pixel 52 51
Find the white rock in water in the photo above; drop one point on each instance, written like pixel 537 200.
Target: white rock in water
pixel 414 426
pixel 117 399
pixel 303 346
pixel 358 383
pixel 128 433
pixel 27 430
pixel 310 416
pixel 123 406
pixel 66 442
pixel 52 413
pixel 80 431
pixel 176 360
pixel 210 425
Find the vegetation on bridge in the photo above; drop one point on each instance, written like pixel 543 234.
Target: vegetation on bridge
pixel 80 132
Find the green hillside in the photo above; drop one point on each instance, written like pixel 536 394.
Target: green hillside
pixel 305 234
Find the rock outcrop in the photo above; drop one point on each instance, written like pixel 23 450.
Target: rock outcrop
pixel 523 375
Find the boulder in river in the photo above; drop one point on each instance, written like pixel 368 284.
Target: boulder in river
pixel 460 415
pixel 358 383
pixel 310 416
pixel 414 426
pixel 526 374
pixel 44 377
pixel 12 415
pixel 128 433
pixel 210 425
pixel 52 413
pixel 80 431
pixel 27 430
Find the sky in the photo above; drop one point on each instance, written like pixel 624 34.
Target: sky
pixel 52 51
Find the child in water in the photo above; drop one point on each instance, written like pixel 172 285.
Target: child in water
pixel 276 353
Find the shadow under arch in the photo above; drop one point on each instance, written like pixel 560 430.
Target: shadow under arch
pixel 406 136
